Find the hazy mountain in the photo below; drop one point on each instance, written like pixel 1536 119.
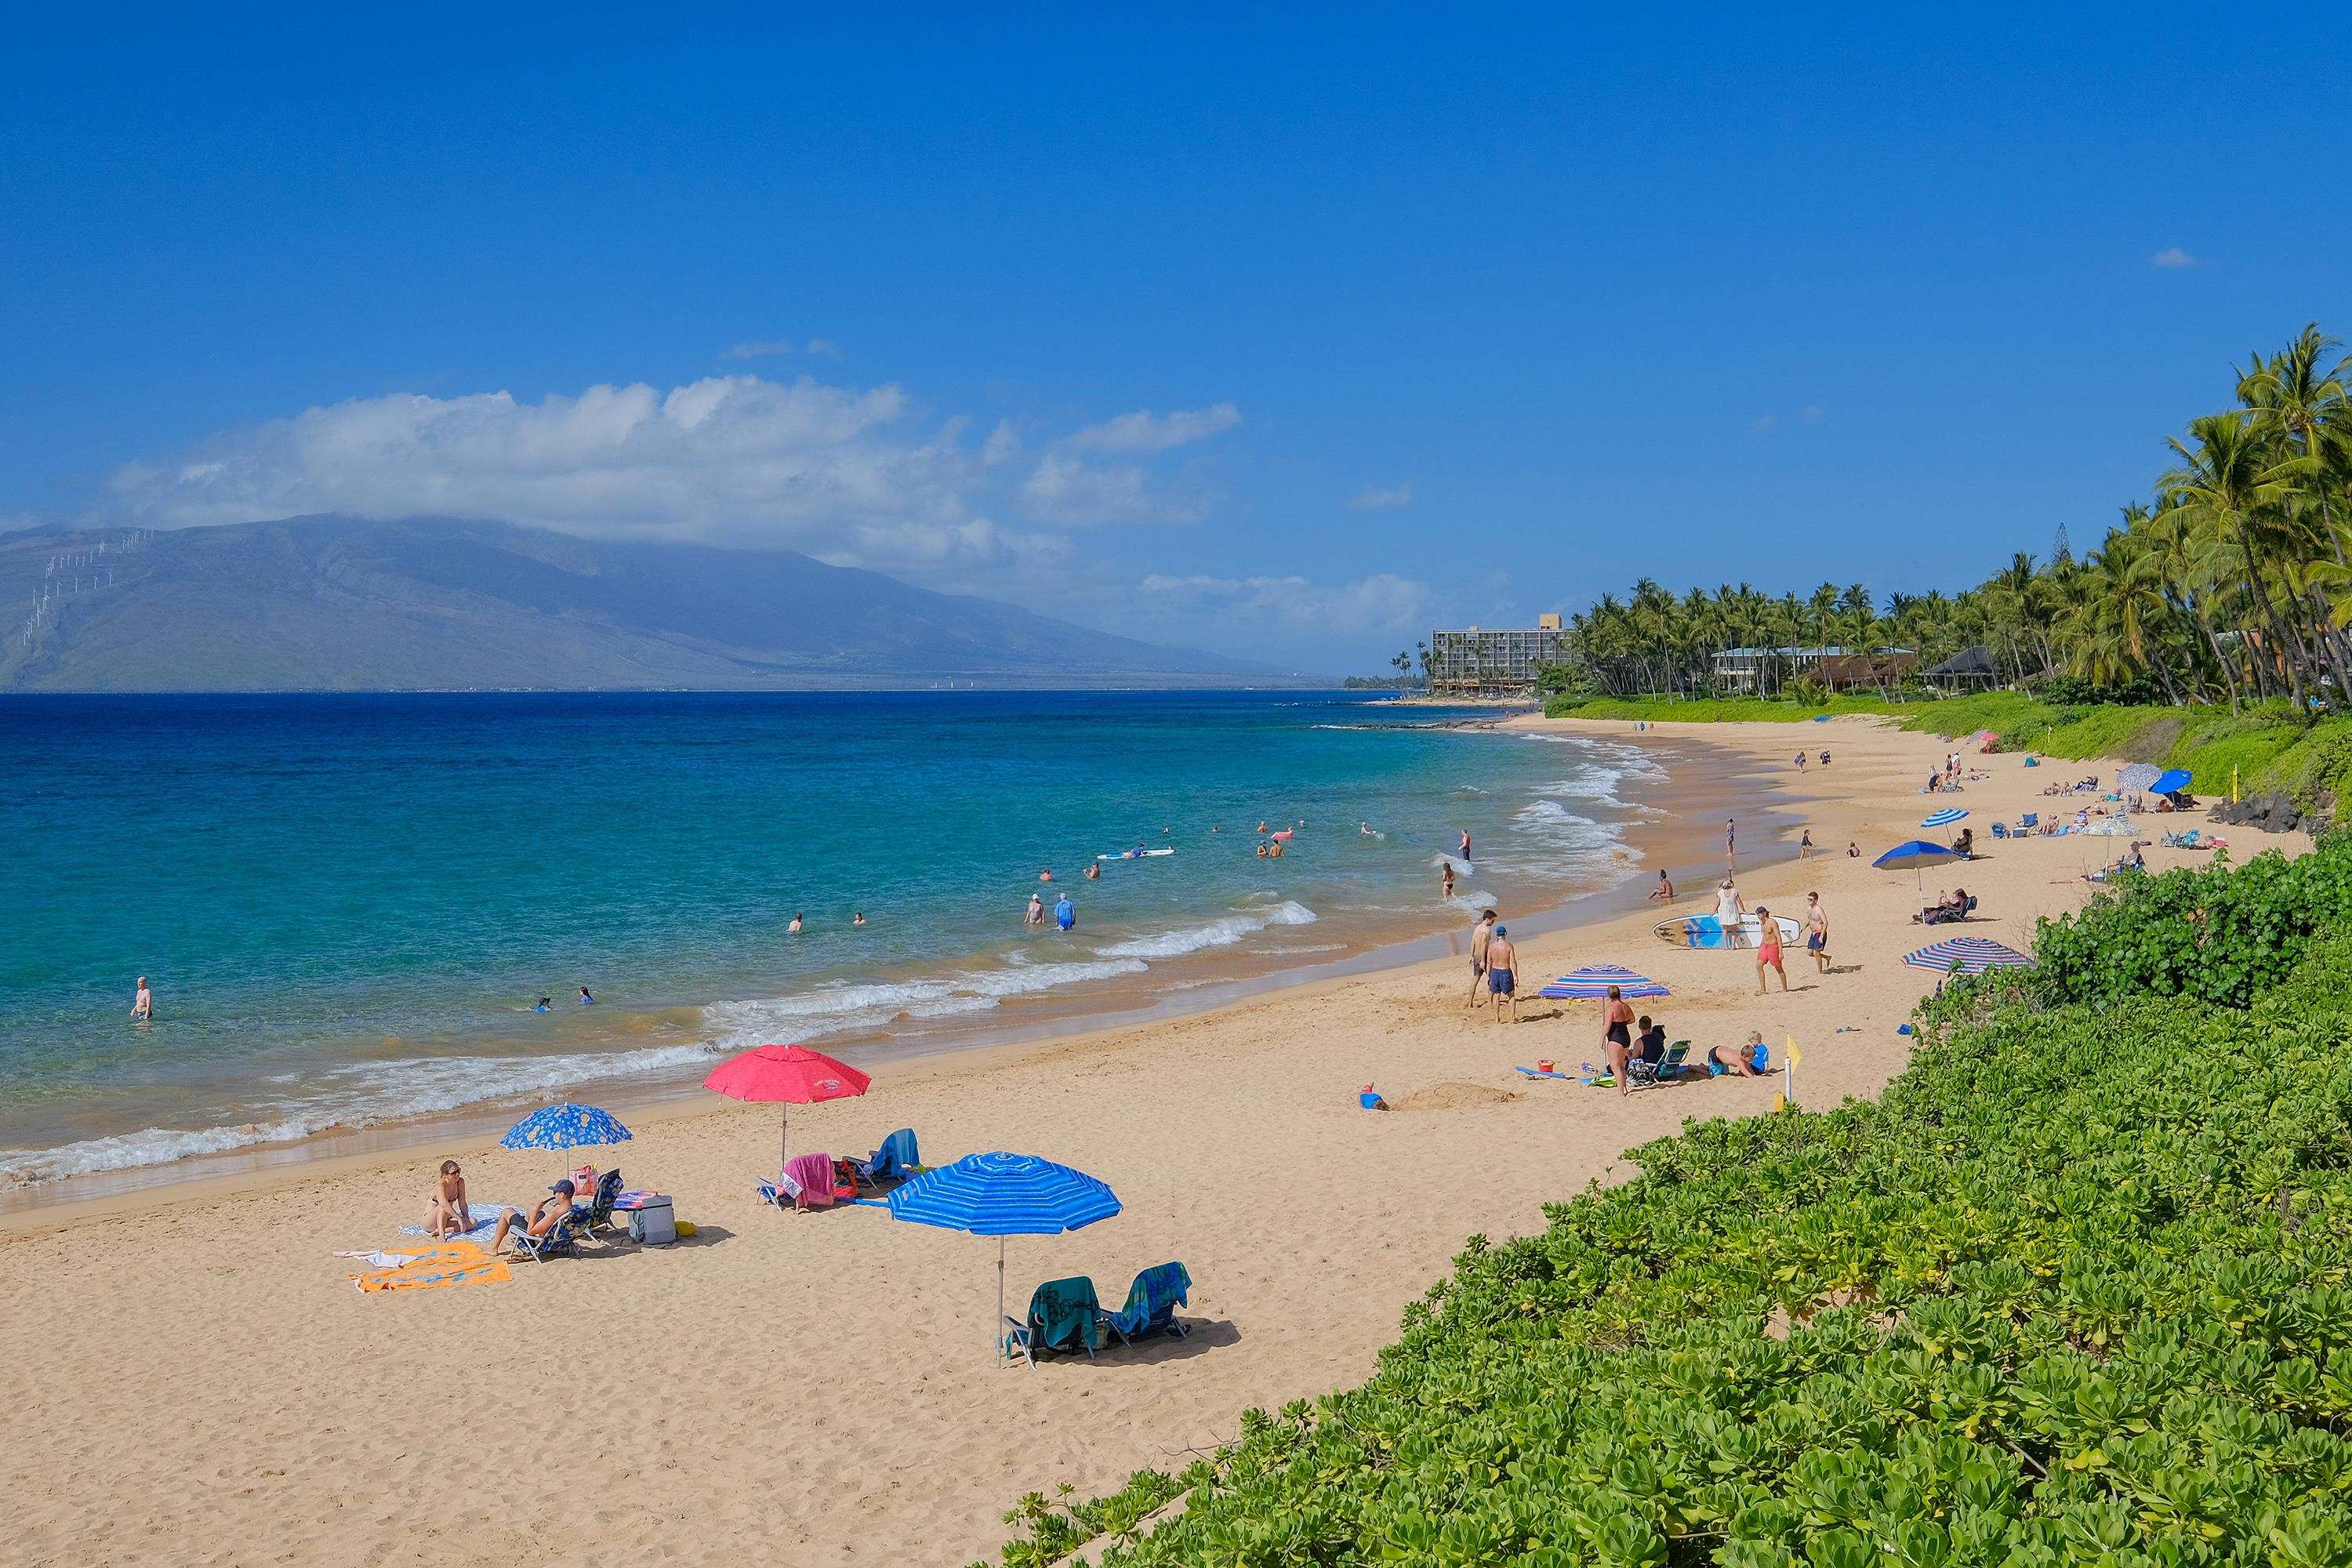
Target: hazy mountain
pixel 341 603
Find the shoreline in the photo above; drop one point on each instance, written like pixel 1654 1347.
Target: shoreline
pixel 1232 1139
pixel 1675 822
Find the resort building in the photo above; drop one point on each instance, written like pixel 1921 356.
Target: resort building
pixel 1478 662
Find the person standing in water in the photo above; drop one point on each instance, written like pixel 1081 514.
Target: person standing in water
pixel 793 929
pixel 586 1000
pixel 1036 915
pixel 858 919
pixel 1094 872
pixel 143 1004
pixel 1465 847
pixel 1065 913
pixel 1445 880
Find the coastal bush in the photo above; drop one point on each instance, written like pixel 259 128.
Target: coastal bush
pixel 2077 1288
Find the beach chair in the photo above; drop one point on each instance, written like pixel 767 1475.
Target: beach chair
pixel 598 1216
pixel 897 1160
pixel 1641 1073
pixel 561 1240
pixel 2030 821
pixel 1151 1303
pixel 1064 1316
pixel 1999 830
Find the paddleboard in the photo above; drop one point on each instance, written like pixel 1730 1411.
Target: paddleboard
pixel 1706 931
pixel 1135 854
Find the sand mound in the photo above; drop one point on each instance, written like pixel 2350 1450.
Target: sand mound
pixel 1452 1096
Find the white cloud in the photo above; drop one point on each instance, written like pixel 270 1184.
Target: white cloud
pixel 1395 497
pixel 1062 490
pixel 1144 431
pixel 2172 257
pixel 769 349
pixel 1810 414
pixel 1383 602
pixel 1766 425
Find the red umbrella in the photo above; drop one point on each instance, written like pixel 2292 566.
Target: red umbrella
pixel 793 1075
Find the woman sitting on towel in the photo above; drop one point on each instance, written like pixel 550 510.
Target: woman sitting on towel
pixel 447 1212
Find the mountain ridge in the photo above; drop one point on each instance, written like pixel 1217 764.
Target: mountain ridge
pixel 343 604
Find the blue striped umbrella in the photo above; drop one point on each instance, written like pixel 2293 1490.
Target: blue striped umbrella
pixel 1003 1194
pixel 1968 954
pixel 1595 979
pixel 1943 818
pixel 565 1126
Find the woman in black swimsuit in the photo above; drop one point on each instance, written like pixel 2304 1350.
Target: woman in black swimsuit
pixel 1616 1036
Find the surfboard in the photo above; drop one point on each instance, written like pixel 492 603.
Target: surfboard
pixel 1706 931
pixel 1134 855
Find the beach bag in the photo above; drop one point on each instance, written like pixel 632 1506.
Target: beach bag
pixel 585 1179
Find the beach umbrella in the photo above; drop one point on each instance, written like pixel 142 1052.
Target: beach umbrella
pixel 1968 954
pixel 565 1126
pixel 788 1075
pixel 1943 818
pixel 1595 979
pixel 1003 1194
pixel 2171 783
pixel 1915 857
pixel 2133 777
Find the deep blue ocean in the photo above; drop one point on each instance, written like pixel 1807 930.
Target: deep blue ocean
pixel 347 906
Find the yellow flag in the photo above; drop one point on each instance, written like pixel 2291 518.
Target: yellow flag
pixel 1796 1055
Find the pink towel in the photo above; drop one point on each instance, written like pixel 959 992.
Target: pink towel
pixel 809 1178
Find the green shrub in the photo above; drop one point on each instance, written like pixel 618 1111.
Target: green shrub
pixel 2075 1289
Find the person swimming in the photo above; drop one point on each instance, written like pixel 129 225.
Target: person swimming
pixel 858 919
pixel 1046 875
pixel 1094 872
pixel 793 929
pixel 544 1004
pixel 586 1000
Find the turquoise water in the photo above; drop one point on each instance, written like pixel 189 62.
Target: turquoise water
pixel 348 905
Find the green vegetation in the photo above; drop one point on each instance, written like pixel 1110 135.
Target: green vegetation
pixel 2227 585
pixel 2270 750
pixel 2072 1291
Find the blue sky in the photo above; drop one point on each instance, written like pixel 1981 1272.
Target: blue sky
pixel 1305 330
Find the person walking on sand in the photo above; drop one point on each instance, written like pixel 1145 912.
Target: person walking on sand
pixel 1817 933
pixel 1617 1037
pixel 1805 845
pixel 1731 840
pixel 1768 951
pixel 1481 935
pixel 1801 761
pixel 1502 972
pixel 1731 909
pixel 143 1004
pixel 1663 893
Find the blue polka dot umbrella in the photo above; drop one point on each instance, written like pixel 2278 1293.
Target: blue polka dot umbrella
pixel 565 1126
pixel 1595 979
pixel 1003 1194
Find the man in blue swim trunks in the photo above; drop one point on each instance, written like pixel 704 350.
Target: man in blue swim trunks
pixel 1502 981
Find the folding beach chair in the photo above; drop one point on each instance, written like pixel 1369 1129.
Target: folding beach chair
pixel 598 1216
pixel 1064 1316
pixel 897 1160
pixel 1640 1073
pixel 1151 1303
pixel 561 1240
pixel 1999 830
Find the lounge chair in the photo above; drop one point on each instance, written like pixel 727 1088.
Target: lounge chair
pixel 897 1160
pixel 1151 1303
pixel 1641 1073
pixel 561 1240
pixel 1064 1316
pixel 598 1216
pixel 1999 830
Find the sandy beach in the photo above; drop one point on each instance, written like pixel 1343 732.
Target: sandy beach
pixel 196 1382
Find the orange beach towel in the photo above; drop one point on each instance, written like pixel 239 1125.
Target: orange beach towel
pixel 458 1263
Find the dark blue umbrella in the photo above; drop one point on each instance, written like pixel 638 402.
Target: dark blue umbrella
pixel 1003 1194
pixel 1916 856
pixel 565 1126
pixel 2171 783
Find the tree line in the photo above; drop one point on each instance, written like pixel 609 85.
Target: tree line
pixel 2229 583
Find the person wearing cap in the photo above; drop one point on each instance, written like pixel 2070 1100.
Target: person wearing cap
pixel 543 1214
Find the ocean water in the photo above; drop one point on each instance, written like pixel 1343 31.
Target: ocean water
pixel 347 905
